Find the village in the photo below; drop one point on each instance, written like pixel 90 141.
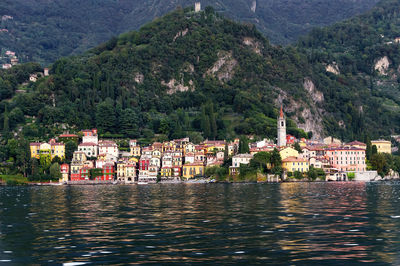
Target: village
pixel 101 161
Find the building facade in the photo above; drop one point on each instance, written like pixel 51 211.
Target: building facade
pixel 382 146
pixel 347 158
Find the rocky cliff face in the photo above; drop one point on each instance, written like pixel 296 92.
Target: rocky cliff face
pixel 382 65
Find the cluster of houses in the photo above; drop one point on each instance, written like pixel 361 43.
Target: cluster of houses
pixel 12 58
pixel 5 18
pixel 102 160
pixel 335 158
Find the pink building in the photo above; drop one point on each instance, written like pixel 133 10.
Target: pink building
pixel 347 158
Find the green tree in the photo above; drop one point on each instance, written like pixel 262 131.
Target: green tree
pixel 298 175
pixel 368 151
pixel 244 145
pixel 70 148
pixel 379 163
pixel 94 173
pixel 45 161
pixel 55 171
pixel 297 147
pixel 164 127
pixel 205 123
pixel 128 123
pixel 6 125
pixel 315 173
pixel 260 161
pixel 34 173
pixel 374 150
pixel 213 122
pixel 276 163
pixel 226 151
pixel 105 116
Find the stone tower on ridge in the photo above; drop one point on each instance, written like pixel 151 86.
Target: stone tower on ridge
pixel 281 129
pixel 197 7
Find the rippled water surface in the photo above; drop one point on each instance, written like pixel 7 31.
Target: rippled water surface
pixel 296 224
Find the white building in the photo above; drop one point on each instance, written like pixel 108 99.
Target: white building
pixel 239 159
pixel 281 129
pixel 197 7
pixel 189 157
pixel 89 148
pixel 108 147
pixel 155 161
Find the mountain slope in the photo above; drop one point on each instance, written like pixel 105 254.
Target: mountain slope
pixel 43 31
pixel 189 73
pixel 364 48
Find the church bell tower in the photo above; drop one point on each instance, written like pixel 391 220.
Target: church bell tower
pixel 281 129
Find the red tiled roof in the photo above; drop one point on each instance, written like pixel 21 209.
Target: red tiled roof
pixel 88 144
pixel 68 136
pixel 294 159
pixel 194 164
pixel 356 142
pixel 57 144
pixel 344 149
pixel 35 144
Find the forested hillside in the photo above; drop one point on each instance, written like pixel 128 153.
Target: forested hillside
pixel 43 31
pixel 363 49
pixel 192 74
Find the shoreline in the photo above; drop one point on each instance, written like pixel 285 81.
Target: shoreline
pixel 4 184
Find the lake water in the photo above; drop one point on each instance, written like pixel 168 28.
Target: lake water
pixel 293 223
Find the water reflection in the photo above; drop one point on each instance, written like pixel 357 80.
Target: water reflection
pixel 294 223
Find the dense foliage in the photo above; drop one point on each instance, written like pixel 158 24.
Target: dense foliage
pixel 371 97
pixel 120 86
pixel 43 31
pixel 193 74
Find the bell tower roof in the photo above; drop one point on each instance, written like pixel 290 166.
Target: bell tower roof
pixel 281 112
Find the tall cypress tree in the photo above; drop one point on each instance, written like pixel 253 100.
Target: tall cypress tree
pixel 205 123
pixel 6 124
pixel 207 129
pixel 213 122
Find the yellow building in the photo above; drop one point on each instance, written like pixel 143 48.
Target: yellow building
pixel 288 152
pixel 191 170
pixel 293 164
pixel 79 156
pixel 303 143
pixel 35 150
pixel 135 151
pixel 166 172
pixel 169 146
pixel 133 160
pixel 121 170
pixel 214 145
pixel 53 148
pixel 383 146
pixel 57 149
pixel 126 171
